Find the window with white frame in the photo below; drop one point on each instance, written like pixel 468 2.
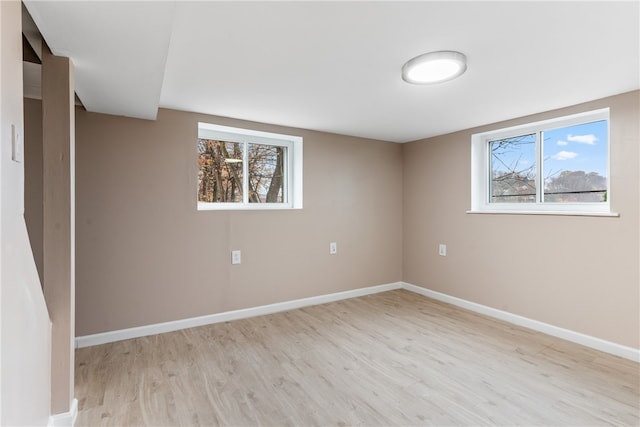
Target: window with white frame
pixel 558 165
pixel 247 169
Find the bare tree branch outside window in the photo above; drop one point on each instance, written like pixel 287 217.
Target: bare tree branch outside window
pixel 221 172
pixel 513 169
pixel 514 166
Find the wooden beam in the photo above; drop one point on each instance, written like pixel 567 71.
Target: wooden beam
pixel 58 128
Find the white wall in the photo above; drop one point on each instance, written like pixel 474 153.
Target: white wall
pixel 25 335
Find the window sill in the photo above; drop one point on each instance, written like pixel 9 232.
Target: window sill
pixel 560 213
pixel 203 207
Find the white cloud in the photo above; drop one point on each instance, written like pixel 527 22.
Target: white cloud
pixel 562 143
pixel 583 139
pixel 564 155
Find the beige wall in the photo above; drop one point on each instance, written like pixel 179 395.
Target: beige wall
pixel 33 177
pixel 25 340
pixel 579 273
pixel 146 255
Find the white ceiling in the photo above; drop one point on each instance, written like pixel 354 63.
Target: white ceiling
pixel 335 66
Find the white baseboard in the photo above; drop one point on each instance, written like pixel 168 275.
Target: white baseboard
pixel 66 419
pixel 566 334
pixel 158 328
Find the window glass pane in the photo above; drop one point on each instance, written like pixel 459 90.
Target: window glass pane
pixel 575 163
pixel 513 169
pixel 219 171
pixel 266 176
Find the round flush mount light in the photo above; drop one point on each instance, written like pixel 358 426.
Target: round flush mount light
pixel 434 67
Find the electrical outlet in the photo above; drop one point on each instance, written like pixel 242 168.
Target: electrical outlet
pixel 236 257
pixel 333 248
pixel 442 250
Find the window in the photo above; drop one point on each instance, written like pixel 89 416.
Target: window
pixel 245 169
pixel 559 166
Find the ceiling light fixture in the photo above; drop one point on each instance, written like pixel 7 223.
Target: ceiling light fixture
pixel 434 67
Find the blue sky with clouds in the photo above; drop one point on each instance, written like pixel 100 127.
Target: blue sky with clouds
pixel 576 148
pixel 580 147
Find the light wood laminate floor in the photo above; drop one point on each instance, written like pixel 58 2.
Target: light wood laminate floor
pixel 395 358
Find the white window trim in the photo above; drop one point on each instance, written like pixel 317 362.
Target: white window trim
pixel 480 170
pixel 293 182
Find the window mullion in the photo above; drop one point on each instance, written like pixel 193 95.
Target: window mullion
pixel 287 173
pixel 487 172
pixel 245 173
pixel 539 168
